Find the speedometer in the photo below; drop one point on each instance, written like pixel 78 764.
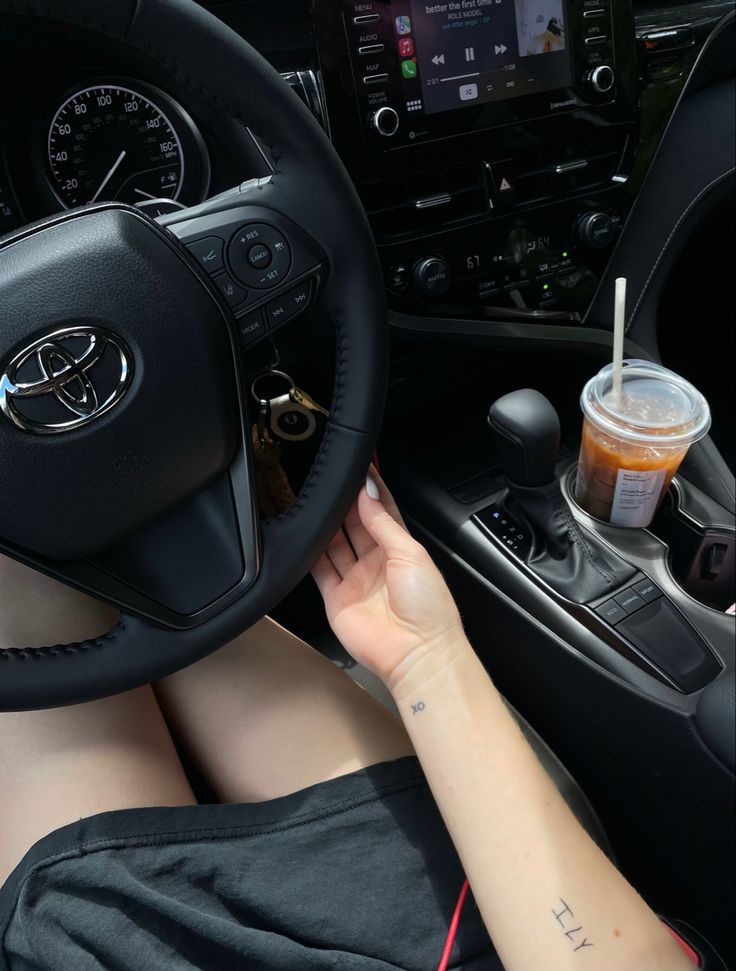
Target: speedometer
pixel 112 142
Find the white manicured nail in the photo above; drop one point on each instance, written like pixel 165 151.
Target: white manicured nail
pixel 371 488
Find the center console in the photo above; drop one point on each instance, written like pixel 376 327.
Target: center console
pixel 490 141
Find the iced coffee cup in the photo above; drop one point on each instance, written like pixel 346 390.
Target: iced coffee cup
pixel 634 442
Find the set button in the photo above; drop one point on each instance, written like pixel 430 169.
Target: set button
pixel 259 256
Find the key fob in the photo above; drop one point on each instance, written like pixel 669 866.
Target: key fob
pixel 289 421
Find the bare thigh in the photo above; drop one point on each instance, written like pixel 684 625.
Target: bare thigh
pixel 267 715
pixel 59 765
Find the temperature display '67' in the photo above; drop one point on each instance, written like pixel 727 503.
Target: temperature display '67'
pixel 110 142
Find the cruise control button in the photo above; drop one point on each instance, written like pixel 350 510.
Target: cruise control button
pixel 208 252
pixel 629 600
pixel 259 255
pixel 611 612
pixel 247 254
pixel 647 590
pixel 230 290
pixel 251 327
pixel 288 305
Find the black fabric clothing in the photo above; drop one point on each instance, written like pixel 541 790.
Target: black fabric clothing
pixel 355 874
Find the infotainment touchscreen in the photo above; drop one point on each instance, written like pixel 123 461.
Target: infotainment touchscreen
pixel 428 69
pixel 454 53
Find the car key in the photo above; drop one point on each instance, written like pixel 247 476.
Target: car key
pixel 291 415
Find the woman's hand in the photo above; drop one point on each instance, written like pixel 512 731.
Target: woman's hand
pixel 386 601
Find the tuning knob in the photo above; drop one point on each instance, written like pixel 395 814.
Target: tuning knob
pixel 385 121
pixel 601 78
pixel 431 276
pixel 595 229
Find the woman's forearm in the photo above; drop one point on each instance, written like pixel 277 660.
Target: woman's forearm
pixel 548 895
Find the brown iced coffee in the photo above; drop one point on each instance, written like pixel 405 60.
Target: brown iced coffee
pixel 634 441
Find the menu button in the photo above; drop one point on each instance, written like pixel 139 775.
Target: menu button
pixel 366 18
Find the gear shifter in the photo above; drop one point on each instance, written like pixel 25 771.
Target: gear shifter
pixel 571 560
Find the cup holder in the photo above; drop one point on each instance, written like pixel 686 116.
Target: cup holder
pixel 702 557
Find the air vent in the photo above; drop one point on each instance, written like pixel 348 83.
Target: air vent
pixel 425 202
pixel 560 169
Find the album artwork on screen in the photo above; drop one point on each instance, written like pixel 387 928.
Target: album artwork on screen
pixel 540 27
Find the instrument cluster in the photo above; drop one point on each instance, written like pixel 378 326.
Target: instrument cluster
pixel 107 139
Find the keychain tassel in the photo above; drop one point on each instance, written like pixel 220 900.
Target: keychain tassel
pixel 272 485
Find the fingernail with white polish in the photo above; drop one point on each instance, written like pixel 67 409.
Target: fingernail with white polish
pixel 371 488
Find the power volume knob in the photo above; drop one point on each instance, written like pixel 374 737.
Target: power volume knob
pixel 385 121
pixel 431 276
pixel 601 78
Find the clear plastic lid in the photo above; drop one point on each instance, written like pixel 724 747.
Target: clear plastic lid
pixel 657 406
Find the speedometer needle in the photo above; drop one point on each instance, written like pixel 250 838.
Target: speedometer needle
pixel 109 175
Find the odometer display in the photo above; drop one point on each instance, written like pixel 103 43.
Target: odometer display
pixel 113 143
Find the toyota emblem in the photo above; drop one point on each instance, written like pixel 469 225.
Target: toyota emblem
pixel 65 380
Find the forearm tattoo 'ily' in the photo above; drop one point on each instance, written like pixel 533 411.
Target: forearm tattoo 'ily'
pixel 566 919
pixel 418 707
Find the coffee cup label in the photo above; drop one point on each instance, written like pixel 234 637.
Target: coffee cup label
pixel 636 496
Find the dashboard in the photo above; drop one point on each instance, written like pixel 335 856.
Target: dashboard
pixel 497 145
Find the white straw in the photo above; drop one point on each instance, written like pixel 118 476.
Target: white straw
pixel 619 320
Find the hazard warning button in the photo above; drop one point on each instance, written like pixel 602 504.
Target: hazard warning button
pixel 504 184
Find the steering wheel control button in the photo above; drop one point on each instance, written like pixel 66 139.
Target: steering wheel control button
pixel 230 290
pixel 251 328
pixel 259 256
pixel 249 252
pixel 611 612
pixel 288 305
pixel 647 590
pixel 629 600
pixel 209 253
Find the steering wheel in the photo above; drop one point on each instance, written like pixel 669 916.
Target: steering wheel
pixel 124 436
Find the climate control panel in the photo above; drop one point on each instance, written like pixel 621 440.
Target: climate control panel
pixel 522 263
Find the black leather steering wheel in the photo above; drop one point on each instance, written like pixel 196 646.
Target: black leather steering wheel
pixel 147 500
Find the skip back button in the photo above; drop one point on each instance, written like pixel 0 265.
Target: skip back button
pixel 288 305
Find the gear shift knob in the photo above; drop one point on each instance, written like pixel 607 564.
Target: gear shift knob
pixel 527 432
